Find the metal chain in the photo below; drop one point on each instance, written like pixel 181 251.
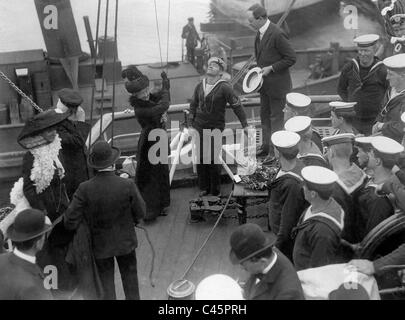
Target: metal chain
pixel 32 103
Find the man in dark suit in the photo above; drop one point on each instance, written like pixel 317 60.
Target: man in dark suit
pixel 275 56
pixel 20 277
pixel 111 206
pixel 272 275
pixel 191 36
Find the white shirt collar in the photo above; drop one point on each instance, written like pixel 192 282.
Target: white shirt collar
pixel 263 29
pixel 268 268
pixel 24 256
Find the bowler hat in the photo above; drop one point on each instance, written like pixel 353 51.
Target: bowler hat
pixel 349 292
pixel 247 242
pixel 38 124
pixel 29 224
pixel 102 155
pixel 70 98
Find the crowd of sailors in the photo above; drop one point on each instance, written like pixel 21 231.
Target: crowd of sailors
pixel 73 212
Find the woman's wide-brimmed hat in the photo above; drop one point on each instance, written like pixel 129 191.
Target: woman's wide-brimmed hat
pixel 253 80
pixel 137 85
pixel 247 242
pixel 29 224
pixel 37 125
pixel 102 155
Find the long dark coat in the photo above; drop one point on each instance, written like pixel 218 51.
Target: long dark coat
pixel 74 153
pixel 152 179
pixel 280 283
pixel 110 215
pixel 54 201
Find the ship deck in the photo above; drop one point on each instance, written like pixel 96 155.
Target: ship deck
pixel 176 242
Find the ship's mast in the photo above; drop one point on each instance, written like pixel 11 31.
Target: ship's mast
pixel 60 35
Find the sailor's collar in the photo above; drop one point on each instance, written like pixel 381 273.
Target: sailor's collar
pixel 333 213
pixel 351 179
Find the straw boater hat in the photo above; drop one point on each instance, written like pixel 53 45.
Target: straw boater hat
pixel 247 242
pixel 253 80
pixel 102 155
pixel 29 224
pixel 30 137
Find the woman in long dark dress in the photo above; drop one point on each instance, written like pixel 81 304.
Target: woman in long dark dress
pixel 150 111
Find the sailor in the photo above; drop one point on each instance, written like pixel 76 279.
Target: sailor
pixel 207 112
pixel 275 55
pixel 111 207
pixel 20 276
pixel 373 206
pixel 152 178
pixel 313 159
pixel 44 188
pixel 364 147
pixel 303 126
pixel 318 233
pixel 389 121
pixel 73 132
pixel 286 191
pixel 343 115
pixel 272 275
pixel 395 26
pixel 364 80
pixel 350 179
pixel 297 104
pixel 191 36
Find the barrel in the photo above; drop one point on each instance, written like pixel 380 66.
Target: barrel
pixel 3 114
pixel 181 290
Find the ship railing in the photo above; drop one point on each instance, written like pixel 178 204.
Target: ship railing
pixel 249 101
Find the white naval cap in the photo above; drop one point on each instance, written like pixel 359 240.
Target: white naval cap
pixel 396 62
pixel 387 146
pixel 319 176
pixel 298 124
pixel 403 117
pixel 363 141
pixel 285 139
pixel 366 40
pixel 298 100
pixel 338 139
pixel 218 287
pixel 340 106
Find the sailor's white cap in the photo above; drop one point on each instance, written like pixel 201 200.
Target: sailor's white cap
pixel 298 100
pixel 319 176
pixel 285 139
pixel 338 139
pixel 403 117
pixel 340 106
pixel 367 40
pixel 396 62
pixel 387 146
pixel 218 287
pixel 363 141
pixel 298 124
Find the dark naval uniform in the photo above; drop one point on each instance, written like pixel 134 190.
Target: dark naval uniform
pixel 349 184
pixel 367 87
pixel 208 112
pixel 285 207
pixel 391 116
pixel 372 207
pixel 317 237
